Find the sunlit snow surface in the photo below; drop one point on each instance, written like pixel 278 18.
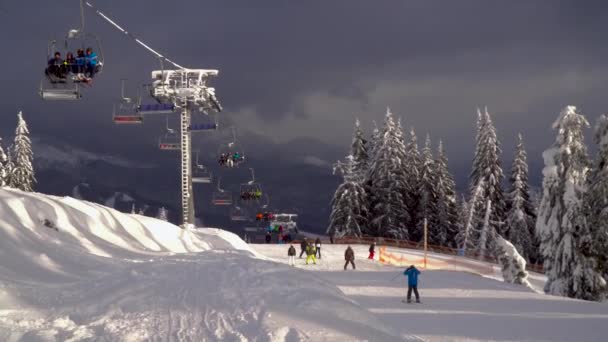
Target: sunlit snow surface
pixel 104 275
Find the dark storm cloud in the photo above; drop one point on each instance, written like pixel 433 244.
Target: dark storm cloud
pixel 293 69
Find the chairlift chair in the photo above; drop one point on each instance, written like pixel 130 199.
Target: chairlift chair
pixel 203 127
pixel 238 214
pixel 231 154
pixel 170 141
pixel 220 196
pixel 200 173
pixel 67 87
pixel 251 192
pixel 125 111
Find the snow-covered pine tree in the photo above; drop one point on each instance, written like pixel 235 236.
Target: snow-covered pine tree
pixel 468 237
pixel 4 172
pixel 348 205
pixel 387 185
pixel 374 142
pixel 427 207
pixel 463 215
pixel 22 175
pixel 447 209
pixel 565 239
pixel 597 197
pixel 141 212
pixel 413 163
pixel 521 217
pixel 10 166
pixel 487 167
pixel 133 208
pixel 513 264
pixel 162 214
pixel 359 153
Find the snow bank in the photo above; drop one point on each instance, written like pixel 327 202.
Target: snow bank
pixel 98 274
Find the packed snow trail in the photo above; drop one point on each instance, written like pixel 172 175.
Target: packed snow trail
pixel 98 274
pixel 458 304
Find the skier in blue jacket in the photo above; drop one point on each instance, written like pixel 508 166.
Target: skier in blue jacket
pixel 412 283
pixel 91 62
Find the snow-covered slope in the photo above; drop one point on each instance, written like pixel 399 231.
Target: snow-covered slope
pixel 463 300
pixel 105 275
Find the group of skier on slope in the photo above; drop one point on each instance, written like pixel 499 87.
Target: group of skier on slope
pixel 313 249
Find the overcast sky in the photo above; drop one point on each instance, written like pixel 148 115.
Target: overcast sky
pixel 291 69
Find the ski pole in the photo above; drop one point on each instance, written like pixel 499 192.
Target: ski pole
pixel 395 277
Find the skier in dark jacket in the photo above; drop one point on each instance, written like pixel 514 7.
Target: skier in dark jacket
pixel 372 250
pixel 55 67
pixel 318 246
pixel 291 253
pixel 412 274
pixel 268 237
pixel 303 246
pixel 349 256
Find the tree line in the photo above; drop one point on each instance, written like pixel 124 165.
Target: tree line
pixel 390 187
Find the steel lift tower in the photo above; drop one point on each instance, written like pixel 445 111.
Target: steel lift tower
pixel 187 90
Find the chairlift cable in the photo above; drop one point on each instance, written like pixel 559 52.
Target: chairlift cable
pixel 130 35
pixel 81 17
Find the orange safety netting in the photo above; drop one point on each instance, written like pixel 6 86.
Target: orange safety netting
pixel 399 259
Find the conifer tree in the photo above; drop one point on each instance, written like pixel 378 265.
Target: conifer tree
pixel 597 197
pixel 469 236
pixel 513 264
pixel 447 210
pixel 487 168
pixel 413 164
pixel 4 172
pixel 359 153
pixel 22 174
pixel 427 208
pixel 565 238
pixel 348 204
pixel 162 214
pixel 387 184
pixel 521 217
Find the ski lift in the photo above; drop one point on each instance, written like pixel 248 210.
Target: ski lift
pixel 170 141
pixel 231 154
pixel 220 196
pixel 238 214
pixel 204 126
pixel 55 85
pixel 155 108
pixel 251 191
pixel 124 112
pixel 62 82
pixel 167 84
pixel 200 173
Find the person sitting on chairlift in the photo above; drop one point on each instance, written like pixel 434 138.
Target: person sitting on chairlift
pixel 55 67
pixel 70 63
pixel 80 62
pixel 236 157
pixel 91 62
